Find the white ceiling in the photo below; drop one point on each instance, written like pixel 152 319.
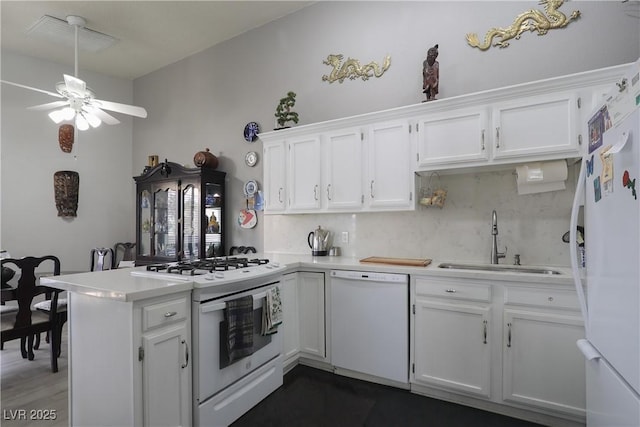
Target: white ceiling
pixel 151 34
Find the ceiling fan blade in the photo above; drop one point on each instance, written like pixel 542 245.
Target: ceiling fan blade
pixel 131 110
pixel 48 106
pixel 105 117
pixel 57 95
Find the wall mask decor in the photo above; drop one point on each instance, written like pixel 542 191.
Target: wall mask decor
pixel 66 185
pixel 531 20
pixel 352 69
pixel 65 137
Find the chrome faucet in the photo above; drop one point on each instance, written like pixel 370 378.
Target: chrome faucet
pixel 495 255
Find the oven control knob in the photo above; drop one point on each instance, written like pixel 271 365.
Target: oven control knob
pixel 219 275
pixel 209 276
pixel 274 265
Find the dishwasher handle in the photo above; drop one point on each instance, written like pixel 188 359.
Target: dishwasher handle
pixel 370 276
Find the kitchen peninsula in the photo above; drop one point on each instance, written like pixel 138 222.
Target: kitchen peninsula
pixel 116 320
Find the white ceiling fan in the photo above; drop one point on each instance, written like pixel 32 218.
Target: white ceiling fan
pixel 78 101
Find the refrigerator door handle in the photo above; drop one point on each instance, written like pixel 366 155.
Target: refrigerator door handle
pixel 589 351
pixel 573 228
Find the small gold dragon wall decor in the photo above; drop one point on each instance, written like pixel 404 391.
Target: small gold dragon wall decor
pixel 531 20
pixel 352 69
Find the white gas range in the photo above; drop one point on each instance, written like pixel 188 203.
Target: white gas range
pixel 225 387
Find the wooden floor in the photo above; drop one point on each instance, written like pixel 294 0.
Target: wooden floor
pixel 30 391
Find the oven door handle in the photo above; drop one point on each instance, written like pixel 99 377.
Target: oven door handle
pixel 207 308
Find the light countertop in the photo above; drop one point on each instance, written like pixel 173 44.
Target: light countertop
pixel 120 285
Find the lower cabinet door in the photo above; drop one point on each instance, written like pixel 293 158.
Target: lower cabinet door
pixel 452 346
pixel 166 374
pixel 311 314
pixel 542 365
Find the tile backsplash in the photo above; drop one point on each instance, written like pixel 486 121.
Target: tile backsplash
pixel 530 225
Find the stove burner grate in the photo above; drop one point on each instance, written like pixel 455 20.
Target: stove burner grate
pixel 211 265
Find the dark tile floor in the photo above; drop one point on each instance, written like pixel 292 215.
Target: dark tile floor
pixel 314 398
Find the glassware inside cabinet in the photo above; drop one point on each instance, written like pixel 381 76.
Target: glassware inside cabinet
pixel 144 238
pixel 165 228
pixel 191 222
pixel 214 218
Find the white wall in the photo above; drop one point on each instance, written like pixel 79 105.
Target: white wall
pixel 206 99
pixel 30 155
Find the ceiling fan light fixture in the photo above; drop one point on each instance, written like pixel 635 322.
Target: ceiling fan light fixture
pixel 68 113
pixel 81 122
pixel 57 116
pixel 93 120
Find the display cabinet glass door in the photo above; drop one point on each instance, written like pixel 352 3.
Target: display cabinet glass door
pixel 191 222
pixel 144 231
pixel 165 215
pixel 214 217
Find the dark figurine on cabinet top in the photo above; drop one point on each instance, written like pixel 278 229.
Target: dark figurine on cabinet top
pixel 431 74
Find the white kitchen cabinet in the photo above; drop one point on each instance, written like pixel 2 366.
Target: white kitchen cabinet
pixel 166 379
pixel 275 184
pixel 453 137
pixel 311 315
pixel 534 126
pixel 131 361
pixel 342 169
pixel 452 332
pixel 389 183
pixel 542 365
pixel 289 328
pixel 304 173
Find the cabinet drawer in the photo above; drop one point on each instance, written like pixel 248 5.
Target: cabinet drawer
pixel 475 292
pixel 549 298
pixel 164 313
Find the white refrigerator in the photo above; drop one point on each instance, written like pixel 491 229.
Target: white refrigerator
pixel 608 283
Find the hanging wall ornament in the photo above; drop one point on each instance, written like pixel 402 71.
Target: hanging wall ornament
pixel 531 20
pixel 352 69
pixel 65 137
pixel 66 185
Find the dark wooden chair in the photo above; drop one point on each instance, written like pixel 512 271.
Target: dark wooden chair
pixel 27 322
pixel 123 251
pixel 102 259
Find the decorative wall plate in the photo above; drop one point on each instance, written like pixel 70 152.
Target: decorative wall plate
pixel 251 131
pixel 250 188
pixel 251 158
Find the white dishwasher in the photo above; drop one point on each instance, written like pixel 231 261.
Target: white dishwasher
pixel 370 323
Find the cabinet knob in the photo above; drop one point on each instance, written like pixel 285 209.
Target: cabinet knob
pixel 451 291
pixel 170 314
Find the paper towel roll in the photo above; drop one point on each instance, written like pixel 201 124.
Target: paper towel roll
pixel 541 176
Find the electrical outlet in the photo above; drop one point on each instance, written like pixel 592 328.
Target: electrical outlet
pixel 345 237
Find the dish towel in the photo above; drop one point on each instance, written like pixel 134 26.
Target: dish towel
pixel 272 311
pixel 239 319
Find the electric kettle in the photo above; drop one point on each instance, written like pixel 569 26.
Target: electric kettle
pixel 319 241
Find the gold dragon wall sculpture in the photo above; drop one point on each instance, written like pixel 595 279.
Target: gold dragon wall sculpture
pixel 531 20
pixel 352 69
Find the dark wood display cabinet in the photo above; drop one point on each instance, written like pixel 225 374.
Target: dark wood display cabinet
pixel 179 214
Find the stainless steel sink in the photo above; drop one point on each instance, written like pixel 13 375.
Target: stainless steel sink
pixel 499 268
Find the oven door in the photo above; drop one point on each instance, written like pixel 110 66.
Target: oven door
pixel 212 371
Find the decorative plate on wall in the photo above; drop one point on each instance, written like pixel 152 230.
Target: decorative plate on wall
pixel 251 158
pixel 251 131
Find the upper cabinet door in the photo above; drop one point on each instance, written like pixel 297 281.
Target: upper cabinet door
pixel 389 184
pixel 275 162
pixel 453 137
pixel 343 168
pixel 304 179
pixel 537 125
